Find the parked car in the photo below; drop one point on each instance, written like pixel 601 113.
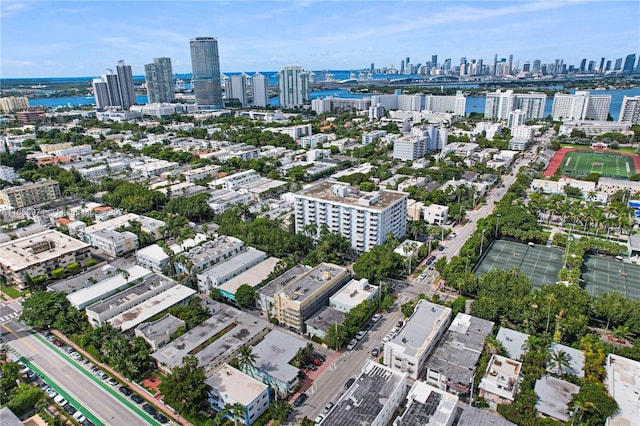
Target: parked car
pixel 68 349
pixel 319 419
pixel 70 409
pixel 361 335
pixel 328 407
pixel 320 356
pixel 149 409
pixel 101 374
pixel 112 381
pixel 300 399
pixel 311 367
pixel 75 355
pixel 316 361
pixel 58 343
pixel 376 317
pixel 79 416
pixel 400 323
pixel 161 418
pixel 349 383
pixel 352 344
pixel 440 248
pixel 375 351
pixel 125 390
pixel 60 401
pixel 137 399
pixel 302 375
pixel 386 338
pixel 51 393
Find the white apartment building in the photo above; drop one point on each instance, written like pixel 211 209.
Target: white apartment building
pixel 410 147
pixel 152 257
pixel 522 132
pixel 499 104
pixel 239 88
pixel 580 106
pixel 260 88
pixel 149 167
pixel 593 128
pixel 408 350
pixel 630 110
pixel 516 118
pixel 293 82
pixel 235 181
pixel 353 294
pixel 113 242
pixel 312 141
pixel 461 149
pixel 370 137
pixel 200 173
pixel 321 105
pixel 364 218
pixel 7 174
pixel 435 214
pixel 296 132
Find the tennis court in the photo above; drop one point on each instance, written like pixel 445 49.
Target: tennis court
pixel 603 275
pixel 583 162
pixel 541 264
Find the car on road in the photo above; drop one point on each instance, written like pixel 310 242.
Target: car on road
pixel 375 351
pixel 68 349
pixel 161 418
pixel 79 416
pixel 300 399
pixel 125 390
pixel 76 356
pixel 352 344
pixel 386 338
pixel 51 393
pixel 137 399
pixel 149 409
pixel 440 248
pixel 393 331
pixel 400 323
pixel 422 276
pixel 349 383
pixel 328 407
pixel 60 401
pixel 101 374
pixel 376 317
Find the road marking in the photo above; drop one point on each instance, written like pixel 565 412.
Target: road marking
pixel 27 344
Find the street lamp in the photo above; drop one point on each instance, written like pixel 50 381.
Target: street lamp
pixel 498 216
pixel 482 241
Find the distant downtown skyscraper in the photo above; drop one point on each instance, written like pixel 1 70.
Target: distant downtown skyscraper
pixel 239 88
pixel 115 89
pixel 205 70
pixel 293 82
pixel 260 87
pixel 159 79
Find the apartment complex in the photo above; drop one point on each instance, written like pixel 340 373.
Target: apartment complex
pixel 630 110
pixel 158 77
pixel 39 254
pixel 500 104
pixel 13 103
pixel 580 106
pixel 500 382
pixel 260 88
pixel 30 194
pixel 294 86
pixel 365 218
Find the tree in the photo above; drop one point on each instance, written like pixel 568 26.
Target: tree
pixel 25 400
pixel 622 333
pixel 594 404
pixel 247 360
pixel 185 388
pixel 613 307
pixel 560 360
pixel 246 296
pixel 379 263
pixel 42 309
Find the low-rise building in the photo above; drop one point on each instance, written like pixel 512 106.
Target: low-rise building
pixel 427 405
pixel 408 350
pixel 229 386
pixel 200 173
pixel 554 396
pixel 220 273
pixel 158 333
pixel 353 294
pixel 7 174
pixel 208 254
pixel 223 199
pixel 623 384
pixel 576 361
pixel 500 382
pixel 322 321
pixel 152 167
pixel 452 367
pixel 147 224
pixel 39 254
pixel 91 277
pixel 472 416
pixel 30 194
pixel 611 186
pixel 152 257
pixel 113 242
pixel 461 149
pixel 251 277
pixel 372 399
pixel 514 342
pixel 266 294
pixel 435 214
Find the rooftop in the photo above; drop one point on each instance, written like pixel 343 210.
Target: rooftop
pixel 513 342
pixel 354 197
pixel 428 406
pixel 233 263
pixel 623 382
pixel 472 416
pixel 326 317
pixel 158 328
pixel 364 400
pixel 154 252
pixel 37 248
pixel 155 282
pixel 306 285
pixel 501 377
pixel 275 352
pixel 354 293
pixel 29 185
pixel 212 249
pixel 235 384
pixel 576 361
pixel 251 277
pixel 554 396
pixel 421 328
pixel 95 275
pixel 277 284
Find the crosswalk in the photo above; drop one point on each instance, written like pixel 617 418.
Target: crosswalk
pixel 6 318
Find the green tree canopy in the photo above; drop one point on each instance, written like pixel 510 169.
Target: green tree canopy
pixel 246 296
pixel 185 388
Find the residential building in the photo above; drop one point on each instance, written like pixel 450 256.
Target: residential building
pixel 322 321
pixel 516 118
pixel 147 224
pixel 266 294
pixel 623 384
pixel 89 278
pixel 408 350
pixel 312 141
pixel 554 396
pixel 205 69
pixel 461 149
pixel 294 86
pixel 136 304
pixel 115 89
pixel 208 254
pixel 229 386
pixel 452 367
pixel 576 361
pixel 472 416
pixel 296 132
pixel 374 135
pixel 158 333
pixel 159 81
pixel 239 88
pixel 252 277
pixel 125 84
pixel 151 167
pixel 365 218
pixel 580 106
pixel 113 242
pixel 372 399
pixel 30 194
pixel 220 273
pixel 500 382
pixel 260 87
pixel 39 254
pixel 273 356
pixel 514 342
pixel 435 214
pixel 13 103
pixel 353 294
pixel 498 105
pixel 630 110
pixel 200 173
pixel 306 294
pixel 235 181
pixel 7 174
pixel 410 147
pixel 427 405
pixel 153 257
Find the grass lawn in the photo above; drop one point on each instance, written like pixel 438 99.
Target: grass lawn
pixel 11 292
pixel 609 164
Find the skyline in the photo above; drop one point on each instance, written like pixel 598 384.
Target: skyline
pixel 43 39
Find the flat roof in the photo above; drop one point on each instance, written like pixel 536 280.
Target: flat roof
pixel 87 279
pixel 154 282
pixel 112 223
pixel 277 284
pixel 233 263
pixel 275 352
pixel 576 360
pixel 153 330
pixel 236 385
pixel 154 252
pixel 212 249
pixel 354 293
pixel 29 185
pixel 472 416
pixel 252 277
pixel 323 191
pixel 554 396
pixel 37 248
pixel 428 405
pixel 86 296
pixel 367 396
pixel 513 342
pixel 306 285
pixel 501 377
pixel 623 382
pixel 145 310
pixel 421 328
pixel 326 317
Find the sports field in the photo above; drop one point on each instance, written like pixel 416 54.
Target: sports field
pixel 608 164
pixel 604 274
pixel 541 264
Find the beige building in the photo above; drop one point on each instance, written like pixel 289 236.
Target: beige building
pixel 500 382
pixel 30 194
pixel 306 294
pixel 13 103
pixel 39 254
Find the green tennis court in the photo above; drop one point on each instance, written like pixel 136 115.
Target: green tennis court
pixel 603 275
pixel 540 263
pixel 608 164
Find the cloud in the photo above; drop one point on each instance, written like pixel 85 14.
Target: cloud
pixel 8 8
pixel 7 61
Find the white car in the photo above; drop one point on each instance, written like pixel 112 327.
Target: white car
pixel 79 417
pixel 51 393
pixel 319 419
pixel 60 401
pixel 75 355
pixel 386 338
pixel 352 344
pixel 376 317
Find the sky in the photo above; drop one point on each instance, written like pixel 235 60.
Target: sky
pixel 84 38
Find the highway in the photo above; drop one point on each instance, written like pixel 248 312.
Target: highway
pixel 84 389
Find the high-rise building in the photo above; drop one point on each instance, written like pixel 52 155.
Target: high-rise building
pixel 294 86
pixel 226 85
pixel 14 103
pixel 536 66
pixel 113 86
pixel 364 218
pixel 159 80
pixel 101 93
pixel 592 67
pixel 608 66
pixel 618 64
pixel 630 110
pixel 629 64
pixel 434 61
pixel 239 88
pixel 372 68
pixel 205 69
pixel 260 87
pixel 125 84
pixel 499 104
pixel 583 65
pixel 601 68
pixel 580 106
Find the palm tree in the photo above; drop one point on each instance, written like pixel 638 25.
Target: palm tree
pixel 622 333
pixel 580 404
pixel 416 227
pixel 560 360
pixel 247 360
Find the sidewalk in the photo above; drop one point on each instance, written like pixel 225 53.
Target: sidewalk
pixel 144 393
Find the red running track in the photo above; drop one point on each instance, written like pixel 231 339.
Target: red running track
pixel 558 158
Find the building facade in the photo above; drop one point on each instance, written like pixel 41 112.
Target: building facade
pixel 580 106
pixel 260 88
pixel 159 80
pixel 30 194
pixel 125 84
pixel 205 66
pixel 630 110
pixel 499 104
pixel 239 88
pixel 293 82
